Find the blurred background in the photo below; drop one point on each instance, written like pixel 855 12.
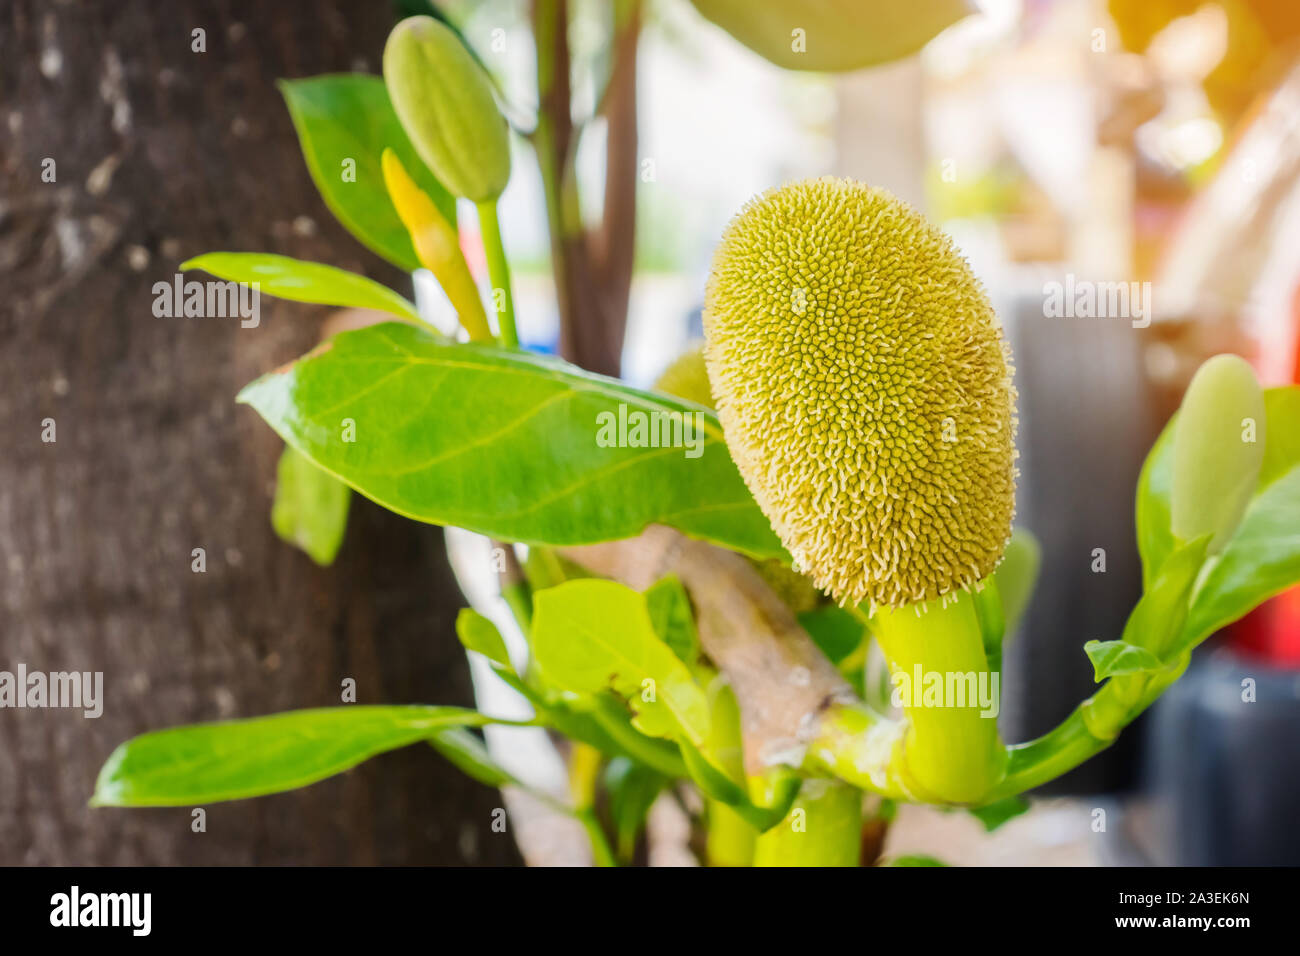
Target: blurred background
pixel 1062 143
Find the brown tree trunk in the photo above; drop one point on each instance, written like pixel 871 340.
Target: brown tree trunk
pixel 161 153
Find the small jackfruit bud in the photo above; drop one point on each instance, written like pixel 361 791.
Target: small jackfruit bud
pixel 687 378
pixel 444 100
pixel 1218 450
pixel 865 391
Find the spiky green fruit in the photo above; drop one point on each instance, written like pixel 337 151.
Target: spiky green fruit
pixel 444 100
pixel 865 391
pixel 687 378
pixel 1218 450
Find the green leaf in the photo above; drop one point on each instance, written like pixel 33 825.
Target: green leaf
pixel 836 631
pixel 467 752
pixel 672 618
pixel 1282 434
pixel 1157 621
pixel 207 763
pixel 1155 484
pixel 590 636
pixel 1262 559
pixel 477 633
pixel 348 117
pixel 471 757
pixel 501 442
pixel 996 814
pixel 1110 658
pixel 915 859
pixel 993 626
pixel 310 510
pixel 633 789
pixel 717 785
pixel 1017 575
pixel 301 281
pixel 601 721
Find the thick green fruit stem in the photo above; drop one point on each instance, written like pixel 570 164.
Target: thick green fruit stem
pixel 729 840
pixel 950 751
pixel 823 828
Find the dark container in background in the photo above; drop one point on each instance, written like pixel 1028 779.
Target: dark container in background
pixel 1087 420
pixel 1224 771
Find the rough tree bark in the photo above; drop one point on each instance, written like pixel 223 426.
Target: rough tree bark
pixel 161 153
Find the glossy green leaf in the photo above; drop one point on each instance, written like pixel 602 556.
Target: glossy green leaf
pixel 1110 658
pixel 207 763
pixel 344 122
pixel 302 281
pixel 1160 614
pixel 1155 482
pixel 993 626
pixel 633 789
pixel 1282 438
pixel 996 814
pixel 672 618
pixel 477 633
pixel 1262 559
pixel 310 510
pixel 717 785
pixel 833 629
pixel 601 721
pixel 1017 575
pixel 471 757
pixel 501 442
pixel 604 722
pixel 590 636
pixel 915 859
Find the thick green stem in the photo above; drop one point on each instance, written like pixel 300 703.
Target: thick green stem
pixel 857 745
pixel 499 272
pixel 823 828
pixel 951 750
pixel 1090 729
pixel 729 839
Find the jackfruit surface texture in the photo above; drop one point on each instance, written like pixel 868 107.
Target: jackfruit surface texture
pixel 688 378
pixel 865 391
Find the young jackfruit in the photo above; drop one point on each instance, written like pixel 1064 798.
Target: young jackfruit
pixel 865 391
pixel 687 378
